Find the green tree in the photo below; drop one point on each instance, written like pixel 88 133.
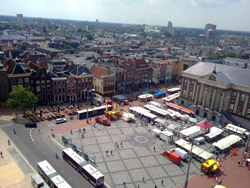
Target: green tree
pixel 22 99
pixel 23 46
pixel 212 57
pixel 89 36
pixel 229 54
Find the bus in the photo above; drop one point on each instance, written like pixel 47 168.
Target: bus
pixel 86 170
pixel 93 111
pixel 50 176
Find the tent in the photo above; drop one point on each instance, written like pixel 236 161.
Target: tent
pixel 197 151
pixel 204 124
pixel 185 117
pixel 172 127
pixel 181 142
pixel 206 155
pixel 188 147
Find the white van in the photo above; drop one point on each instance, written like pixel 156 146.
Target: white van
pixel 181 152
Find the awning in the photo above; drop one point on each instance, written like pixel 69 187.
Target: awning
pixel 161 93
pixel 204 124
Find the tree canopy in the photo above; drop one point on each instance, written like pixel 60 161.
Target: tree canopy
pixel 212 57
pixel 22 99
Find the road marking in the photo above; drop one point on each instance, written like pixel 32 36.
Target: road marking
pixel 57 143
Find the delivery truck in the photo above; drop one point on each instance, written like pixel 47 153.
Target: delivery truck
pixel 166 135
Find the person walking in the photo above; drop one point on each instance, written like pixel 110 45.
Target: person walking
pixel 154 148
pixel 138 186
pixel 162 182
pixel 1 153
pixel 71 131
pixel 121 144
pixel 143 179
pixel 111 152
pixel 8 141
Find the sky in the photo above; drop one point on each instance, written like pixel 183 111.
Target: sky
pixel 226 14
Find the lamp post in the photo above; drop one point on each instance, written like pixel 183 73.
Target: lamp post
pixel 87 107
pixel 189 162
pixel 147 92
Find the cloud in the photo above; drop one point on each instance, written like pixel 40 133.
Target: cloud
pixel 215 3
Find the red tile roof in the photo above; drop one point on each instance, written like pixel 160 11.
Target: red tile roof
pixel 98 71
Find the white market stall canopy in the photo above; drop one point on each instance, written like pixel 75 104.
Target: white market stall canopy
pixel 236 129
pixel 227 142
pixel 159 120
pixel 206 155
pixel 181 142
pixel 171 97
pixel 197 151
pixel 189 131
pixel 145 96
pixel 214 131
pixel 155 104
pixel 143 111
pixel 156 110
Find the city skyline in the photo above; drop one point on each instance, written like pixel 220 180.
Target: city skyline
pixel 190 13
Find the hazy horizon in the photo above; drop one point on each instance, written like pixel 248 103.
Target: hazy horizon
pixel 182 13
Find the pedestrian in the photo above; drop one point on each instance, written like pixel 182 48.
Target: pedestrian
pixel 71 131
pixel 222 171
pixel 121 144
pixel 156 186
pixel 84 130
pixel 154 148
pixel 162 181
pixel 143 179
pixel 111 152
pixel 79 130
pixel 138 186
pixel 8 141
pixel 117 145
pixel 107 152
pixel 1 153
pixel 39 131
pixel 82 135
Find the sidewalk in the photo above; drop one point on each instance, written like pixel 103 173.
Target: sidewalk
pixel 11 176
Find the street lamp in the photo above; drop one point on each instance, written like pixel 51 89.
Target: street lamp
pixel 189 162
pixel 147 92
pixel 87 106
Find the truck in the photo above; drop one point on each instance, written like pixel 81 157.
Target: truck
pixel 172 156
pixel 103 121
pixel 166 135
pixel 128 117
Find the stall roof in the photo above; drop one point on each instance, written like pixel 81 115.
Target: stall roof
pixel 236 129
pixel 156 109
pixel 190 130
pixel 171 97
pixel 120 97
pixel 204 124
pixel 227 142
pixel 188 146
pixel 181 142
pixel 214 131
pixel 145 96
pixel 197 151
pixel 161 93
pixel 206 155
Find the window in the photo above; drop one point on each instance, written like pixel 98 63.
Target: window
pixel 38 82
pixel 239 110
pixel 185 66
pixel 62 89
pixel 48 87
pixel 248 113
pixel 59 89
pixel 242 97
pixel 231 107
pixel 13 81
pixel 20 80
pixel 38 88
pixel 234 94
pixel 32 81
pixel 13 87
pixel 43 81
pixel 68 90
pixel 48 81
pixel 26 80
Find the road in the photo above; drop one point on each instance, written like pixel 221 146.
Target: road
pixel 37 147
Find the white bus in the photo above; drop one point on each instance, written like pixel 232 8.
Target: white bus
pixel 50 175
pixel 85 169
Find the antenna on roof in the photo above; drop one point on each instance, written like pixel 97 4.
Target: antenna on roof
pixel 214 71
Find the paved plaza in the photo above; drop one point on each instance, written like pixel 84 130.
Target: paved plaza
pixel 133 160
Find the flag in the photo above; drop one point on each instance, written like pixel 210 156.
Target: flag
pixel 106 107
pixel 114 106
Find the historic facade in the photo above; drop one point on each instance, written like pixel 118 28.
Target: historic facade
pixel 217 92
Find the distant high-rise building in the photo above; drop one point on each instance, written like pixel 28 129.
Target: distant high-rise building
pixel 170 25
pixel 19 18
pixel 210 30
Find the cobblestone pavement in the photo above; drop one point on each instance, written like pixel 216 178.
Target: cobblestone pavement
pixel 134 159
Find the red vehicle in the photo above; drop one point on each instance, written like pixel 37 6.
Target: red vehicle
pixel 108 101
pixel 172 156
pixel 104 121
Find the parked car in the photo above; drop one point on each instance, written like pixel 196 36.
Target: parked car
pixel 104 121
pixel 181 152
pixel 172 156
pixel 31 124
pixel 60 120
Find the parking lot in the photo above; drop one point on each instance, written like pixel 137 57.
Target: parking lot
pixel 134 159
